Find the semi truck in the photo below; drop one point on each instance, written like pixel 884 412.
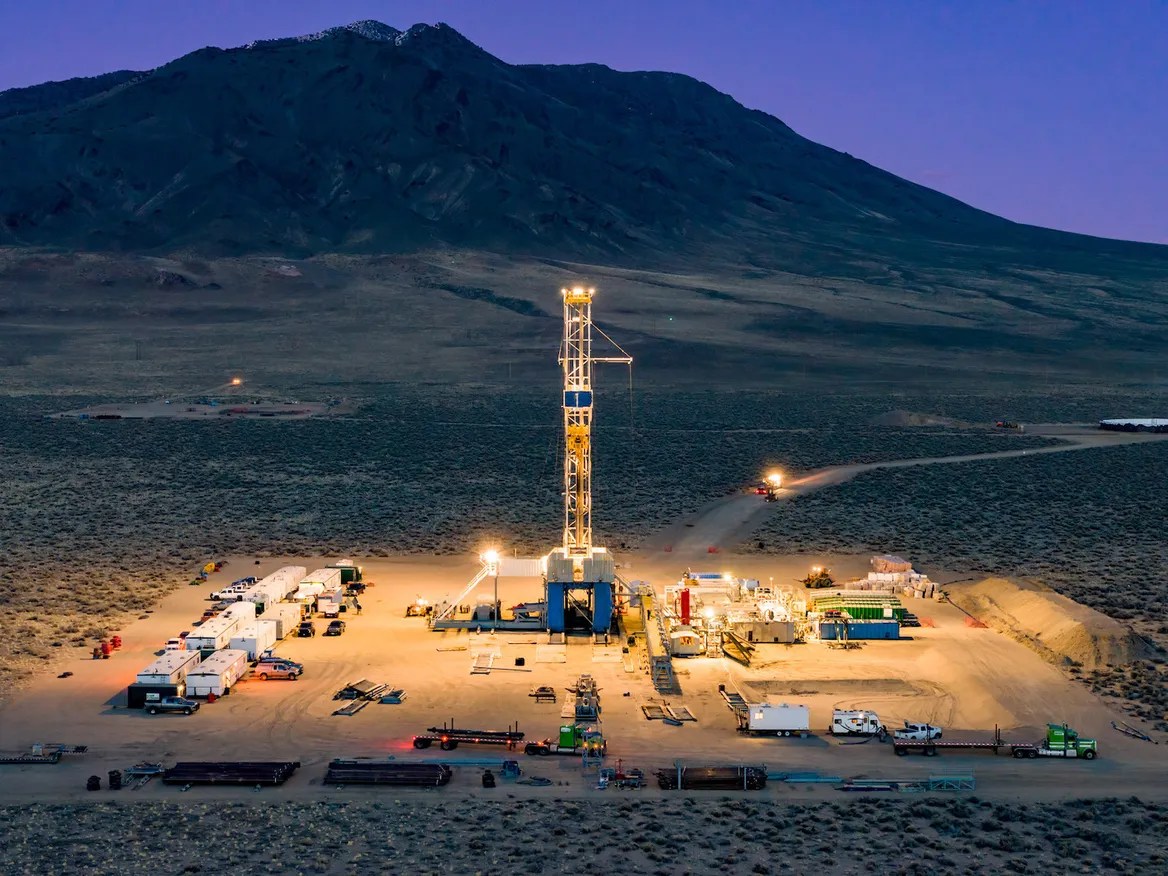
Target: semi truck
pixel 1060 741
pixel 770 719
pixel 573 739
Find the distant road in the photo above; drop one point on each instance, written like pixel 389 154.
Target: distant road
pixel 728 520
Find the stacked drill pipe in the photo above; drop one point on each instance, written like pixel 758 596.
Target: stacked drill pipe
pixel 366 772
pixel 230 772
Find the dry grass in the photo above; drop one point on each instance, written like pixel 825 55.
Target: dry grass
pixel 100 519
pixel 724 834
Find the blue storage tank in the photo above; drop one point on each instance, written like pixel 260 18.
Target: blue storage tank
pixel 860 629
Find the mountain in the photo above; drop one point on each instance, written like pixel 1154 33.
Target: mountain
pixel 369 139
pixel 418 202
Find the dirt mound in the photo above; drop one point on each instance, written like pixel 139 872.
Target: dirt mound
pixel 904 419
pixel 1058 628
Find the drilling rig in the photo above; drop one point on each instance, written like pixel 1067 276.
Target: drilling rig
pixel 579 575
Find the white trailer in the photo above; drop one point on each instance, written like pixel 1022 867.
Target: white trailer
pixel 240 611
pixel 286 616
pixel 171 668
pixel 213 635
pixel 857 722
pixel 217 673
pixel 308 592
pixel 776 719
pixel 330 602
pixel 287 577
pixel 254 638
pixel 326 578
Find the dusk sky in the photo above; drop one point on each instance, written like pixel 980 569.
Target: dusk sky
pixel 1053 113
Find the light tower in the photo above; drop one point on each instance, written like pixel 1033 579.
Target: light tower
pixel 576 564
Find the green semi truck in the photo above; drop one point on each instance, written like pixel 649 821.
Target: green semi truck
pixel 1060 741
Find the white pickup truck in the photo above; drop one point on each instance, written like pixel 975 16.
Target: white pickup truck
pixel 918 732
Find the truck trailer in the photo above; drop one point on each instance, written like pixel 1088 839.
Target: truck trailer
pixel 217 674
pixel 171 668
pixel 1060 741
pixel 771 719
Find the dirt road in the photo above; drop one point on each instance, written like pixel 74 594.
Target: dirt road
pixel 729 520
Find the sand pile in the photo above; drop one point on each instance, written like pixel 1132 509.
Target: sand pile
pixel 1059 628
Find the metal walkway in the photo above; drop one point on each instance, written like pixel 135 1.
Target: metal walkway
pixel 657 643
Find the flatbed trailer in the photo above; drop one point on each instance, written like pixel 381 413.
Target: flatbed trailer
pixel 449 738
pixel 1046 748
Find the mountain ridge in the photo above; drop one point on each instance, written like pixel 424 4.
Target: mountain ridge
pixel 417 138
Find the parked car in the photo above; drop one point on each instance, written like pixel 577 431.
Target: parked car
pixel 306 629
pixel 276 658
pixel 335 628
pixel 176 644
pixel 278 669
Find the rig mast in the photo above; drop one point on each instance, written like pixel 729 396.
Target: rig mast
pixel 577 361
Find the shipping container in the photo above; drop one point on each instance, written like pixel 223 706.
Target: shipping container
pixel 213 635
pixel 859 629
pixel 217 674
pixel 254 638
pixel 170 668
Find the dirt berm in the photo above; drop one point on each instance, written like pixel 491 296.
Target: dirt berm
pixel 1058 628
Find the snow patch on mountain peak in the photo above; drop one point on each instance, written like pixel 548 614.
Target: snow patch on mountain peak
pixel 368 28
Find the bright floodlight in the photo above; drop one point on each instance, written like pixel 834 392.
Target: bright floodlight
pixel 775 479
pixel 490 557
pixel 708 613
pixel 236 381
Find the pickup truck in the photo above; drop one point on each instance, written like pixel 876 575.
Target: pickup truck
pixel 918 732
pixel 173 704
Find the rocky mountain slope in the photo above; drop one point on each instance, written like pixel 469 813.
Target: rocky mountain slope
pixel 365 138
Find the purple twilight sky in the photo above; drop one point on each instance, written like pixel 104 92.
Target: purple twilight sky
pixel 1049 111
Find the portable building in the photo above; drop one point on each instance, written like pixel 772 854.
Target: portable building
pixel 772 631
pixel 170 668
pixel 350 571
pixel 326 578
pixel 214 634
pixel 240 611
pixel 285 615
pixel 782 719
pixel 217 673
pixel 254 638
pixel 138 695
